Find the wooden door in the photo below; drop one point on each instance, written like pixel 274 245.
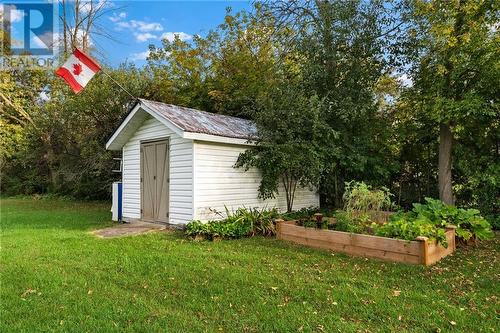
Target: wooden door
pixel 154 181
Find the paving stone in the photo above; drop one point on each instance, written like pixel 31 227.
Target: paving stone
pixel 128 229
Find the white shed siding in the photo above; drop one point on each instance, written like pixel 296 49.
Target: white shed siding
pixel 218 183
pixel 181 175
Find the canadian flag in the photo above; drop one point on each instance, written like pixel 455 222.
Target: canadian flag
pixel 78 70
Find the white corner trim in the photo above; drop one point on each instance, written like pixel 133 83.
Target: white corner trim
pixel 217 138
pixel 194 181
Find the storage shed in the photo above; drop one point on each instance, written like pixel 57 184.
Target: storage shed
pixel 178 165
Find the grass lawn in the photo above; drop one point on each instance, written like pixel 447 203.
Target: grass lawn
pixel 55 276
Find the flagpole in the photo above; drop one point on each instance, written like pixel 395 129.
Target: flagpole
pixel 119 85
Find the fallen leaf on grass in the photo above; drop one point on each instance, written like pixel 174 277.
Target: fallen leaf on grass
pixel 396 293
pixel 28 291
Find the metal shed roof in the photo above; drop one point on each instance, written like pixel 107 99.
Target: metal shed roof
pixel 196 121
pixel 188 123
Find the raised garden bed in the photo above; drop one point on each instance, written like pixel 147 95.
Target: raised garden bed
pixel 419 251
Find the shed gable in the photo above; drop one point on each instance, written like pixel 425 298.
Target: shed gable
pixel 187 123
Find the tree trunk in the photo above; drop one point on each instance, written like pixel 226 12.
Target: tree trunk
pixel 445 145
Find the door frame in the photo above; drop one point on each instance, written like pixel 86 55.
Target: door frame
pixel 141 170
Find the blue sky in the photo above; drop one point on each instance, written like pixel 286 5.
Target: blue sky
pixel 137 24
pixel 134 25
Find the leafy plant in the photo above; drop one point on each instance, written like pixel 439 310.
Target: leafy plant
pixel 344 223
pixel 243 222
pixel 217 229
pixel 360 197
pixel 360 224
pixel 404 228
pixel 431 218
pixel 300 214
pixel 469 222
pixel 494 221
pixel 307 223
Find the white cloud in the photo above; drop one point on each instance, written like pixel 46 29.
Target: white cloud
pixel 56 40
pixel 139 25
pixel 170 36
pixel 118 17
pixel 14 14
pixel 142 37
pixel 144 31
pixel 51 38
pixel 139 56
pixel 85 5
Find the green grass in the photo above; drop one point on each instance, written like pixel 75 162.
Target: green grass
pixel 56 276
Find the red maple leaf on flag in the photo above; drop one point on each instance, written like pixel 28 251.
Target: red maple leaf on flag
pixel 77 69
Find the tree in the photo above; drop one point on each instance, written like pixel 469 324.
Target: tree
pixel 291 142
pixel 79 20
pixel 223 72
pixel 457 48
pixel 63 152
pixel 340 47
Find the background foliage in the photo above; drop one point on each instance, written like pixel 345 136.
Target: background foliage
pixel 357 85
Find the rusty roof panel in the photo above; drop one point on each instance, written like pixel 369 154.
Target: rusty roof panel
pixel 196 121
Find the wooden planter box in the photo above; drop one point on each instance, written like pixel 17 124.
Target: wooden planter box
pixel 419 251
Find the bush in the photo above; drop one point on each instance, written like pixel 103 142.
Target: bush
pixel 217 229
pixel 402 226
pixel 360 197
pixel 242 223
pixel 431 218
pixel 494 220
pixel 303 213
pixel 346 222
pixel 469 222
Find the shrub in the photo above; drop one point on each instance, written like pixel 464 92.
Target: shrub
pixel 494 220
pixel 241 223
pixel 303 213
pixel 431 218
pixel 469 222
pixel 348 223
pixel 402 226
pixel 217 229
pixel 360 197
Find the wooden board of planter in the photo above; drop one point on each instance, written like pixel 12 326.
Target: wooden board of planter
pixel 419 251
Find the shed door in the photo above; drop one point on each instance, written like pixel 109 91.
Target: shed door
pixel 154 181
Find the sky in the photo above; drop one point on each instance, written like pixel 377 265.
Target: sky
pixel 137 24
pixel 134 25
